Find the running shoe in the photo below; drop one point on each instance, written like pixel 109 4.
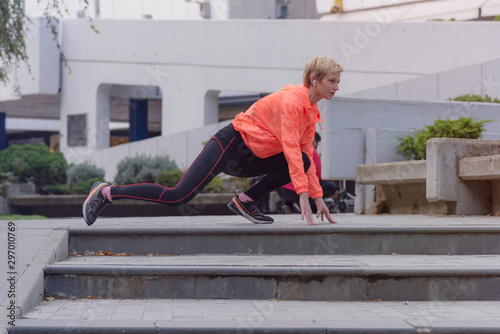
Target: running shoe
pixel 95 202
pixel 249 210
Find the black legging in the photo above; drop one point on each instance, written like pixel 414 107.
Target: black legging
pixel 225 152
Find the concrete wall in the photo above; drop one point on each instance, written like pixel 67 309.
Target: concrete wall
pixel 177 9
pixel 188 59
pixel 483 79
pixel 347 120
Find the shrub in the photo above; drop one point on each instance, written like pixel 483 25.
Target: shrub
pixel 55 189
pixel 465 127
pixel 83 172
pixel 215 186
pixel 169 178
pixel 237 184
pixel 142 169
pixel 476 98
pixel 34 163
pixel 83 186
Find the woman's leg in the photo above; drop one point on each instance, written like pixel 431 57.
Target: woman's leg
pixel 275 169
pixel 209 163
pixel 276 173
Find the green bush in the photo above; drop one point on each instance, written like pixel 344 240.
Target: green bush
pixel 169 178
pixel 496 18
pixel 215 186
pixel 55 189
pixel 476 98
pixel 142 169
pixel 413 147
pixel 34 163
pixel 237 184
pixel 83 186
pixel 83 172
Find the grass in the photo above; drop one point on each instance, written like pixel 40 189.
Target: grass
pixel 21 217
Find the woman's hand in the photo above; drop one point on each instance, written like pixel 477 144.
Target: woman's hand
pixel 323 210
pixel 305 208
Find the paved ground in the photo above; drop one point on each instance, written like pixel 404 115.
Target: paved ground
pixel 31 235
pixel 216 309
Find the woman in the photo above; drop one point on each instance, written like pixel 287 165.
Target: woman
pixel 272 138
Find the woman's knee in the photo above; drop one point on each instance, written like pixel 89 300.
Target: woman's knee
pixel 177 196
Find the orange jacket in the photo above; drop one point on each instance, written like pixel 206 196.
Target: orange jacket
pixel 285 122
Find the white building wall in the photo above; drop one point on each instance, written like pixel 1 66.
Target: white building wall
pixel 482 79
pixel 44 60
pixel 187 59
pixel 175 9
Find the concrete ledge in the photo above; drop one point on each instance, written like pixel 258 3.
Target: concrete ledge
pixel 243 325
pixel 390 278
pixel 480 168
pixel 30 285
pixel 58 200
pixel 295 271
pixel 450 181
pixel 260 229
pixel 73 326
pixel 443 181
pixel 404 172
pixel 455 326
pixel 322 240
pixel 249 325
pixel 256 324
pixel 71 206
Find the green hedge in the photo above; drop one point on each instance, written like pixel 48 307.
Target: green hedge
pixel 83 172
pixel 414 147
pixel 142 169
pixel 36 163
pixel 170 178
pixel 476 98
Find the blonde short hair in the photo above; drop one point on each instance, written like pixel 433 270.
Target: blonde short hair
pixel 318 67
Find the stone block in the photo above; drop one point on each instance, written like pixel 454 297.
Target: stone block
pixel 408 172
pixel 4 206
pixel 408 199
pixel 443 181
pixel 479 168
pixel 19 189
pixel 381 146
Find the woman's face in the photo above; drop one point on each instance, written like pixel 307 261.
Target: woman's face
pixel 328 86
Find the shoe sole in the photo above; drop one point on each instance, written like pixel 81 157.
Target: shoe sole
pixel 95 187
pixel 233 207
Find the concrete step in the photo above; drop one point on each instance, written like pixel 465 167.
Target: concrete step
pixel 286 277
pixel 292 239
pixel 258 316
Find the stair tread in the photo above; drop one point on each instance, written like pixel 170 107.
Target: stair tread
pixel 291 222
pixel 395 260
pixel 275 264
